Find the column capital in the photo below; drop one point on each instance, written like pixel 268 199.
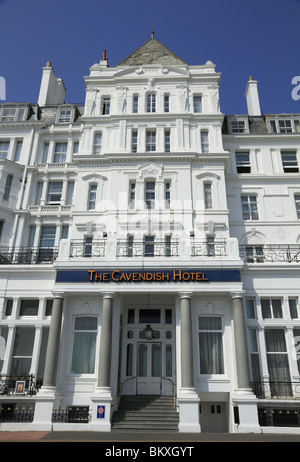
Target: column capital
pixel 237 295
pixel 108 295
pixel 58 294
pixel 185 295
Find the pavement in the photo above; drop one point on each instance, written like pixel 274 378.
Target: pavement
pixel 139 438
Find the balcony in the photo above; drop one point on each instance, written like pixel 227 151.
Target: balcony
pixel 281 389
pixel 147 248
pixel 27 255
pixel 19 386
pixel 270 253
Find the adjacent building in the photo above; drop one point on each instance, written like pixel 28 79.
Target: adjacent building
pixel 150 246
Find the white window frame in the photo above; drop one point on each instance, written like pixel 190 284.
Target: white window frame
pixel 207 193
pixel 97 143
pixel 242 165
pixel 105 105
pixel 297 204
pixel 150 140
pixel 4 149
pixel 132 194
pixel 204 137
pixel 290 165
pixel 252 215
pixel 92 198
pixel 65 115
pixel 60 156
pixel 197 104
pixel 271 308
pixel 54 192
pixel 150 194
pixel 151 102
pixel 284 125
pixel 8 187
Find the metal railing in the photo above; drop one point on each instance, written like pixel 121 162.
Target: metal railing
pixel 86 249
pixel 279 417
pixel 121 389
pixel 215 248
pixel 270 253
pixel 72 414
pixel 11 413
pixel 173 390
pixel 140 248
pixel 276 389
pixel 23 385
pixel 27 255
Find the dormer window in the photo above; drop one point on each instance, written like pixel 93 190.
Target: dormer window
pixel 13 114
pixel 65 115
pixel 284 125
pixel 238 126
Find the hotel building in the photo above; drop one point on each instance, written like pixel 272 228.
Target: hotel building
pixel 149 253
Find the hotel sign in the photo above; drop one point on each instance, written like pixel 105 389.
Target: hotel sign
pixel 133 276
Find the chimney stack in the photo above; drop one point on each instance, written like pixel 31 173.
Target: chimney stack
pixel 52 89
pixel 104 61
pixel 252 98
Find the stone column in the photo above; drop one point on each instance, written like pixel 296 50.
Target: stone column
pixel 243 396
pixel 102 397
pixel 46 397
pixel 53 342
pixel 187 371
pixel 188 399
pixel 105 342
pixel 242 366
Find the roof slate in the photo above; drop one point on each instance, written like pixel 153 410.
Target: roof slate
pixel 151 52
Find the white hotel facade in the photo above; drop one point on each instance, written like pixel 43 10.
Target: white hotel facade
pixel 150 246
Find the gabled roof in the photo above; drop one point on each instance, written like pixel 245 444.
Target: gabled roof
pixel 151 52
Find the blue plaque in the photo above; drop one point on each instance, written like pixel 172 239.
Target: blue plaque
pixel 100 412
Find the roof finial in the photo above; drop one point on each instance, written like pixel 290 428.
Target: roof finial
pixel 152 33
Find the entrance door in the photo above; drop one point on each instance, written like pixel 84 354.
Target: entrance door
pixel 149 368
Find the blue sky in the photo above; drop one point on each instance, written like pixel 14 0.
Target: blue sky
pixel 242 37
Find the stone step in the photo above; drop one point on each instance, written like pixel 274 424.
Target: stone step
pixel 147 413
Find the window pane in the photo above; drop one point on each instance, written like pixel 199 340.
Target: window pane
pixel 29 307
pixel 206 323
pixel 168 360
pixel 211 353
pixel 156 360
pixel 142 360
pixel 84 346
pixel 149 316
pixel 24 338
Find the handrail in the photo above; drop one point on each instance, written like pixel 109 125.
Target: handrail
pixel 173 389
pixel 121 388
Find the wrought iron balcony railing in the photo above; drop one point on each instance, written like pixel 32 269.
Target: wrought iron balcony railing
pixel 151 248
pixel 276 389
pixel 270 253
pixel 215 248
pixel 87 248
pixel 27 255
pixel 23 385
